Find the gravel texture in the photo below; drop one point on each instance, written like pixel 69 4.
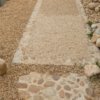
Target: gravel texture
pixel 13 19
pixel 92 15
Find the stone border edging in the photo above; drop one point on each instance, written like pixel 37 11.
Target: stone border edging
pixel 18 55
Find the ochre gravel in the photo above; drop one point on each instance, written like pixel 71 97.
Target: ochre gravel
pixel 14 16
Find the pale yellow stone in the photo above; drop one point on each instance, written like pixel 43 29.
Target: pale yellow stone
pixel 98 42
pixel 95 37
pixel 91 70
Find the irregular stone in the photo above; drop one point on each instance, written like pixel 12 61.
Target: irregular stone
pixel 34 89
pixel 2 2
pixel 95 37
pixel 97 9
pixel 25 79
pixel 49 92
pixel 70 82
pixel 88 98
pixel 40 81
pixel 75 91
pixel 55 77
pixel 91 70
pixel 98 42
pixel 81 83
pixel 90 91
pixel 92 5
pixel 66 87
pixel 76 86
pixel 61 94
pixel 21 85
pixel 37 97
pixel 76 98
pixel 24 95
pixel 34 81
pixel 68 95
pixel 78 80
pixel 58 87
pixel 98 25
pixel 49 84
pixel 3 67
pixel 97 31
pixel 94 26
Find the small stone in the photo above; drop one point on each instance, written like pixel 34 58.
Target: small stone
pixel 75 98
pixel 40 81
pixel 78 80
pixel 98 42
pixel 88 98
pixel 66 87
pixel 49 92
pixel 97 9
pixel 91 70
pixel 2 2
pixel 49 84
pixel 24 95
pixel 3 67
pixel 34 81
pixel 97 31
pixel 68 95
pixel 92 5
pixel 89 91
pixel 58 87
pixel 75 91
pixel 55 77
pixel 22 85
pixel 61 94
pixel 94 38
pixel 25 79
pixel 34 89
pixel 76 86
pixel 81 83
pixel 93 26
pixel 37 97
pixel 70 82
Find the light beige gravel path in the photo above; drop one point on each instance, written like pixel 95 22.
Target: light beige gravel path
pixel 55 33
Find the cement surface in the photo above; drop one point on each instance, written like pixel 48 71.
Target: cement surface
pixel 54 34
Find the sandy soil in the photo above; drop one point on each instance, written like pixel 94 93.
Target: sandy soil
pixel 92 15
pixel 13 18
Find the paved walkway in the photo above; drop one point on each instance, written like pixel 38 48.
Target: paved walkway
pixel 54 34
pixel 37 86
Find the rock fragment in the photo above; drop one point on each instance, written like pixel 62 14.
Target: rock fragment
pixel 94 38
pixel 91 70
pixel 3 67
pixel 98 42
pixel 92 5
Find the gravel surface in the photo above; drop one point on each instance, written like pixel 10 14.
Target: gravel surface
pixel 13 19
pixel 92 15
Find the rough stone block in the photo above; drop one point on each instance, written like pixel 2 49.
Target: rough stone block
pixel 2 2
pixel 3 67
